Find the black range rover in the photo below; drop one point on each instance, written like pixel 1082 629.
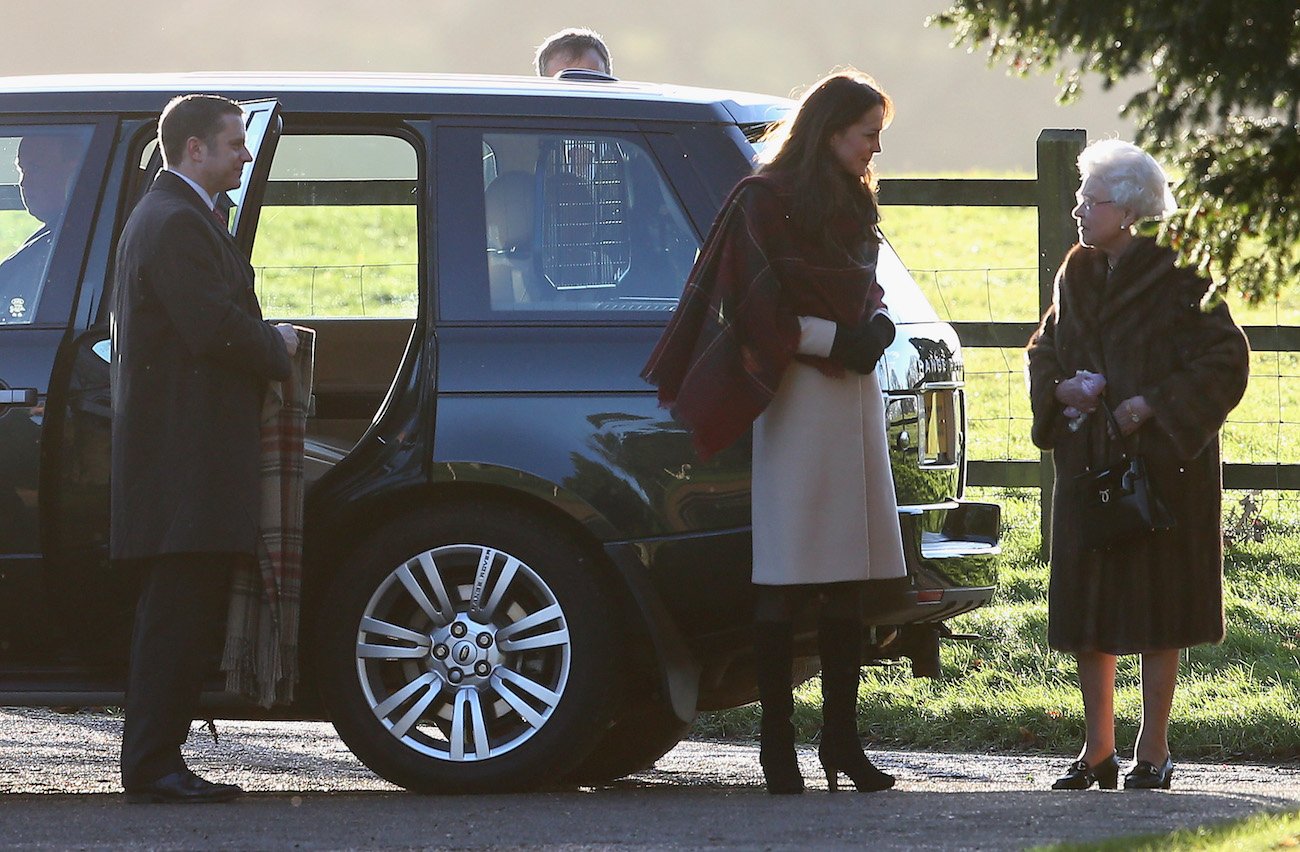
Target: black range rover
pixel 516 571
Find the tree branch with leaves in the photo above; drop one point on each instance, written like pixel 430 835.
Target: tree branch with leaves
pixel 1221 110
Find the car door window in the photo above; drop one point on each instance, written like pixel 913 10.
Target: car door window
pixel 337 248
pixel 262 132
pixel 580 223
pixel 337 233
pixel 38 170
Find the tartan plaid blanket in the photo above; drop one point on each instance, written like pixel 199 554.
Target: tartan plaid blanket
pixel 736 328
pixel 261 652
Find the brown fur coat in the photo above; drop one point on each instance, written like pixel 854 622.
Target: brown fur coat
pixel 1143 327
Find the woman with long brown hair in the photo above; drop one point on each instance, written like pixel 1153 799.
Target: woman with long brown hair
pixel 780 328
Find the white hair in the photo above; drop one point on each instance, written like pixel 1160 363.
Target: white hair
pixel 1134 178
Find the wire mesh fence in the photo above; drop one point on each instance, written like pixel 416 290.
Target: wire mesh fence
pixel 1263 430
pixel 339 290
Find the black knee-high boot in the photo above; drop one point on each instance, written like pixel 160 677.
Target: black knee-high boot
pixel 839 643
pixel 773 667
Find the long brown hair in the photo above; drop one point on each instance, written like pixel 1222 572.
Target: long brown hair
pixel 798 149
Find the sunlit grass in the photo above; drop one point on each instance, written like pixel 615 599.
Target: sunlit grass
pixel 1010 691
pixel 338 261
pixel 15 227
pixel 1262 831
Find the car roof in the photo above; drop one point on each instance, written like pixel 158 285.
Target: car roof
pixel 385 92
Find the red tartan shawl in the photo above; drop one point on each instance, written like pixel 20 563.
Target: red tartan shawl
pixel 262 624
pixel 736 328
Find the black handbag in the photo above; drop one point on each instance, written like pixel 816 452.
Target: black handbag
pixel 1120 501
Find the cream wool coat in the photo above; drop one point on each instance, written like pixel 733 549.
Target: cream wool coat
pixel 824 509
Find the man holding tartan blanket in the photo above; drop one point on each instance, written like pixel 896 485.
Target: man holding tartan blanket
pixel 192 358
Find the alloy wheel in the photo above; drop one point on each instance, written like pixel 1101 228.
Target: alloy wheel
pixel 463 653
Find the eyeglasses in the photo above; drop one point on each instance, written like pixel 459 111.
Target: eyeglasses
pixel 1086 204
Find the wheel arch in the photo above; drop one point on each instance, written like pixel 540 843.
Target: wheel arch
pixel 335 532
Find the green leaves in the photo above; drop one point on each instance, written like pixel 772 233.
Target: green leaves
pixel 1221 109
pixel 1242 223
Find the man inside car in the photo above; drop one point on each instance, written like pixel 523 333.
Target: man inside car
pixel 47 164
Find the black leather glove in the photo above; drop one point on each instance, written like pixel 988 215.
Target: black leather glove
pixel 859 347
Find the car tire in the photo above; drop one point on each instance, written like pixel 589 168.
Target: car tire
pixel 468 648
pixel 633 743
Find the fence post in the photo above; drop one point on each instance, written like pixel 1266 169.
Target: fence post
pixel 1058 178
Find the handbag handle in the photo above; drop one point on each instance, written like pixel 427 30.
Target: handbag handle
pixel 1113 425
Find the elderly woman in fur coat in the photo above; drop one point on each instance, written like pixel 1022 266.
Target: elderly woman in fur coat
pixel 1130 328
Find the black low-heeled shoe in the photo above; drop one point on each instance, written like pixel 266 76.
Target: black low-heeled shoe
pixel 183 787
pixel 1145 775
pixel 1081 776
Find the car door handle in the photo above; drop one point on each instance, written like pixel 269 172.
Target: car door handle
pixel 18 396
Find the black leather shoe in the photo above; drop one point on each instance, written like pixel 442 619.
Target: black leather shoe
pixel 182 787
pixel 1081 776
pixel 1145 775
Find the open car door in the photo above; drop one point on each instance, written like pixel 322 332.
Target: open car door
pixel 262 128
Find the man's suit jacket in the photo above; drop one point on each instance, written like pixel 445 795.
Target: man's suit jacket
pixel 191 360
pixel 21 276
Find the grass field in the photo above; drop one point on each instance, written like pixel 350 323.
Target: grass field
pixel 1010 691
pixel 1259 832
pixel 338 261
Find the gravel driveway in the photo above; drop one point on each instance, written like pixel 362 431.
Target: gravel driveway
pixel 59 776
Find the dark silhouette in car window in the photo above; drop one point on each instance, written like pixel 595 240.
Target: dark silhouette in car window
pixel 47 164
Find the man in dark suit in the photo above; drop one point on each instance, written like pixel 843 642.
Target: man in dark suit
pixel 191 360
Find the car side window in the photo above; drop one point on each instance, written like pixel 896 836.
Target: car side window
pixel 580 223
pixel 338 232
pixel 38 170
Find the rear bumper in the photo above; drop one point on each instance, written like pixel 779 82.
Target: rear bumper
pixel 951 550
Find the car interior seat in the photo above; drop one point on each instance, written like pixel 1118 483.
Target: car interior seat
pixel 512 270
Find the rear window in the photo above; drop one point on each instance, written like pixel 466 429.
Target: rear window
pixel 571 223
